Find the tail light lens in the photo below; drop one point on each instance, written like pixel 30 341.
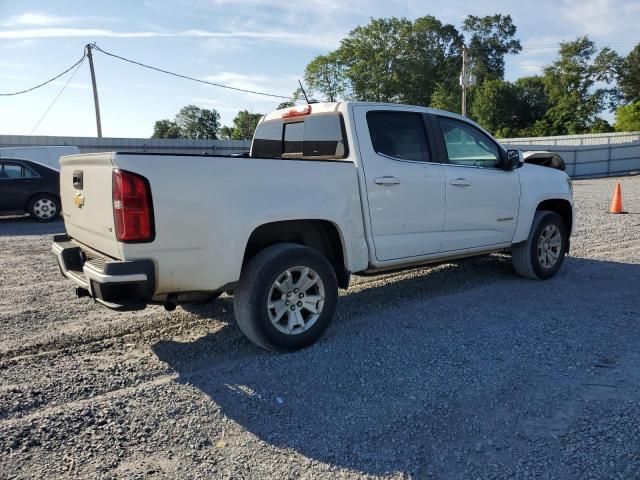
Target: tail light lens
pixel 132 207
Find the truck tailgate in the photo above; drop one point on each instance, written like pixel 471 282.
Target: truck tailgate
pixel 85 191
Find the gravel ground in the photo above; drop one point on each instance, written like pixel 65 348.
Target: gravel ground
pixel 457 371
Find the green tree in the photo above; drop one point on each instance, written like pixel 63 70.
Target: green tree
pixel 198 123
pixel 166 129
pixel 446 97
pixel 396 60
pixel 244 126
pixel 495 107
pixel 325 74
pixel 629 76
pixel 372 57
pixel 576 85
pixel 532 102
pixel 490 39
pixel 190 122
pixel 628 118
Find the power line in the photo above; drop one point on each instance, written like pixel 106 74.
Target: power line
pixel 57 96
pixel 44 83
pixel 188 77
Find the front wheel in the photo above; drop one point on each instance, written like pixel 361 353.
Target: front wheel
pixel 541 256
pixel 44 207
pixel 286 297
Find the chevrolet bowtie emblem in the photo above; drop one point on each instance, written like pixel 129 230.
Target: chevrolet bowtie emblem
pixel 78 200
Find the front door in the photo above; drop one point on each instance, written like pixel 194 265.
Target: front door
pixel 405 188
pixel 482 198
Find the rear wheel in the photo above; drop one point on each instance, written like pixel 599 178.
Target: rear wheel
pixel 541 256
pixel 286 297
pixel 44 207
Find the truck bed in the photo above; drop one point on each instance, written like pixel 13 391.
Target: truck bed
pixel 205 208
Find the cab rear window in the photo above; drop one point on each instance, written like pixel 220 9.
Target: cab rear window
pixel 316 137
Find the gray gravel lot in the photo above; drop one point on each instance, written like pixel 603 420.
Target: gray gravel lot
pixel 456 371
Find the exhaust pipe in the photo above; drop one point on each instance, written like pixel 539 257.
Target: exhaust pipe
pixel 82 292
pixel 171 303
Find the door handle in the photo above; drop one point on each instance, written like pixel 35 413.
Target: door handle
pixel 386 180
pixel 460 182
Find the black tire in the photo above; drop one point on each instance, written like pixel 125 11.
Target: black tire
pixel 252 296
pixel 44 207
pixel 525 255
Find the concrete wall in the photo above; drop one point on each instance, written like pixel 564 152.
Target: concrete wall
pixel 151 145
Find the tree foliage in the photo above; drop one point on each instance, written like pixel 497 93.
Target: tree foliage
pixel 244 126
pixel 190 122
pixel 490 39
pixel 577 87
pixel 495 107
pixel 199 123
pixel 628 118
pixel 629 76
pixel 325 74
pixel 166 129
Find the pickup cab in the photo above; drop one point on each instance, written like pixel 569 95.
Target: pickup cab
pixel 327 190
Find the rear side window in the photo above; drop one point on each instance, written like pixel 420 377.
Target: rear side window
pixel 318 137
pixel 10 170
pixel 399 135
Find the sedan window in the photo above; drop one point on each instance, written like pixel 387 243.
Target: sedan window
pixel 10 170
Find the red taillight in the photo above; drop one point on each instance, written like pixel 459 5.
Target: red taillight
pixel 297 112
pixel 132 208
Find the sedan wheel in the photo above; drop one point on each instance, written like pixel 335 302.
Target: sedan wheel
pixel 44 208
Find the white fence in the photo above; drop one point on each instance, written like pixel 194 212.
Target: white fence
pixel 577 140
pixel 151 145
pixel 586 156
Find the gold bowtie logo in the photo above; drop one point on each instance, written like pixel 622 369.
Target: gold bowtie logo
pixel 78 200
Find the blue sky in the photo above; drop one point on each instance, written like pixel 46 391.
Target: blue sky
pixel 255 44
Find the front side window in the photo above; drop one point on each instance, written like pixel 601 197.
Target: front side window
pixel 466 145
pixel 399 135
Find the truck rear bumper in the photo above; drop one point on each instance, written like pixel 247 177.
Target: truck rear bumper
pixel 121 285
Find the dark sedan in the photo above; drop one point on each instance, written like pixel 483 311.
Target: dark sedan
pixel 30 187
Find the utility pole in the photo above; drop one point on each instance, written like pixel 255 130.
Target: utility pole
pixel 463 80
pixel 95 90
pixel 466 80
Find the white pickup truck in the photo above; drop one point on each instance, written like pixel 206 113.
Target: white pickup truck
pixel 328 189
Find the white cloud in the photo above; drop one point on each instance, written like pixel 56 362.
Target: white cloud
pixel 37 20
pixel 291 38
pixel 45 20
pixel 601 17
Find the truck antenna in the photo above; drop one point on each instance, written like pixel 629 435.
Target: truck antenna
pixel 303 92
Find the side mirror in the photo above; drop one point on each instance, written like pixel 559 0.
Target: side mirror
pixel 514 159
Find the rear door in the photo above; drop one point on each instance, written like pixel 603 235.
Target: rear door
pixel 482 199
pixel 405 188
pixel 17 183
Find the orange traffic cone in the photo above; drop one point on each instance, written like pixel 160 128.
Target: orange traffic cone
pixel 616 201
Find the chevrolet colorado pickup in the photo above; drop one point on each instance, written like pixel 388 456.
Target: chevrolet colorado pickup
pixel 327 190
